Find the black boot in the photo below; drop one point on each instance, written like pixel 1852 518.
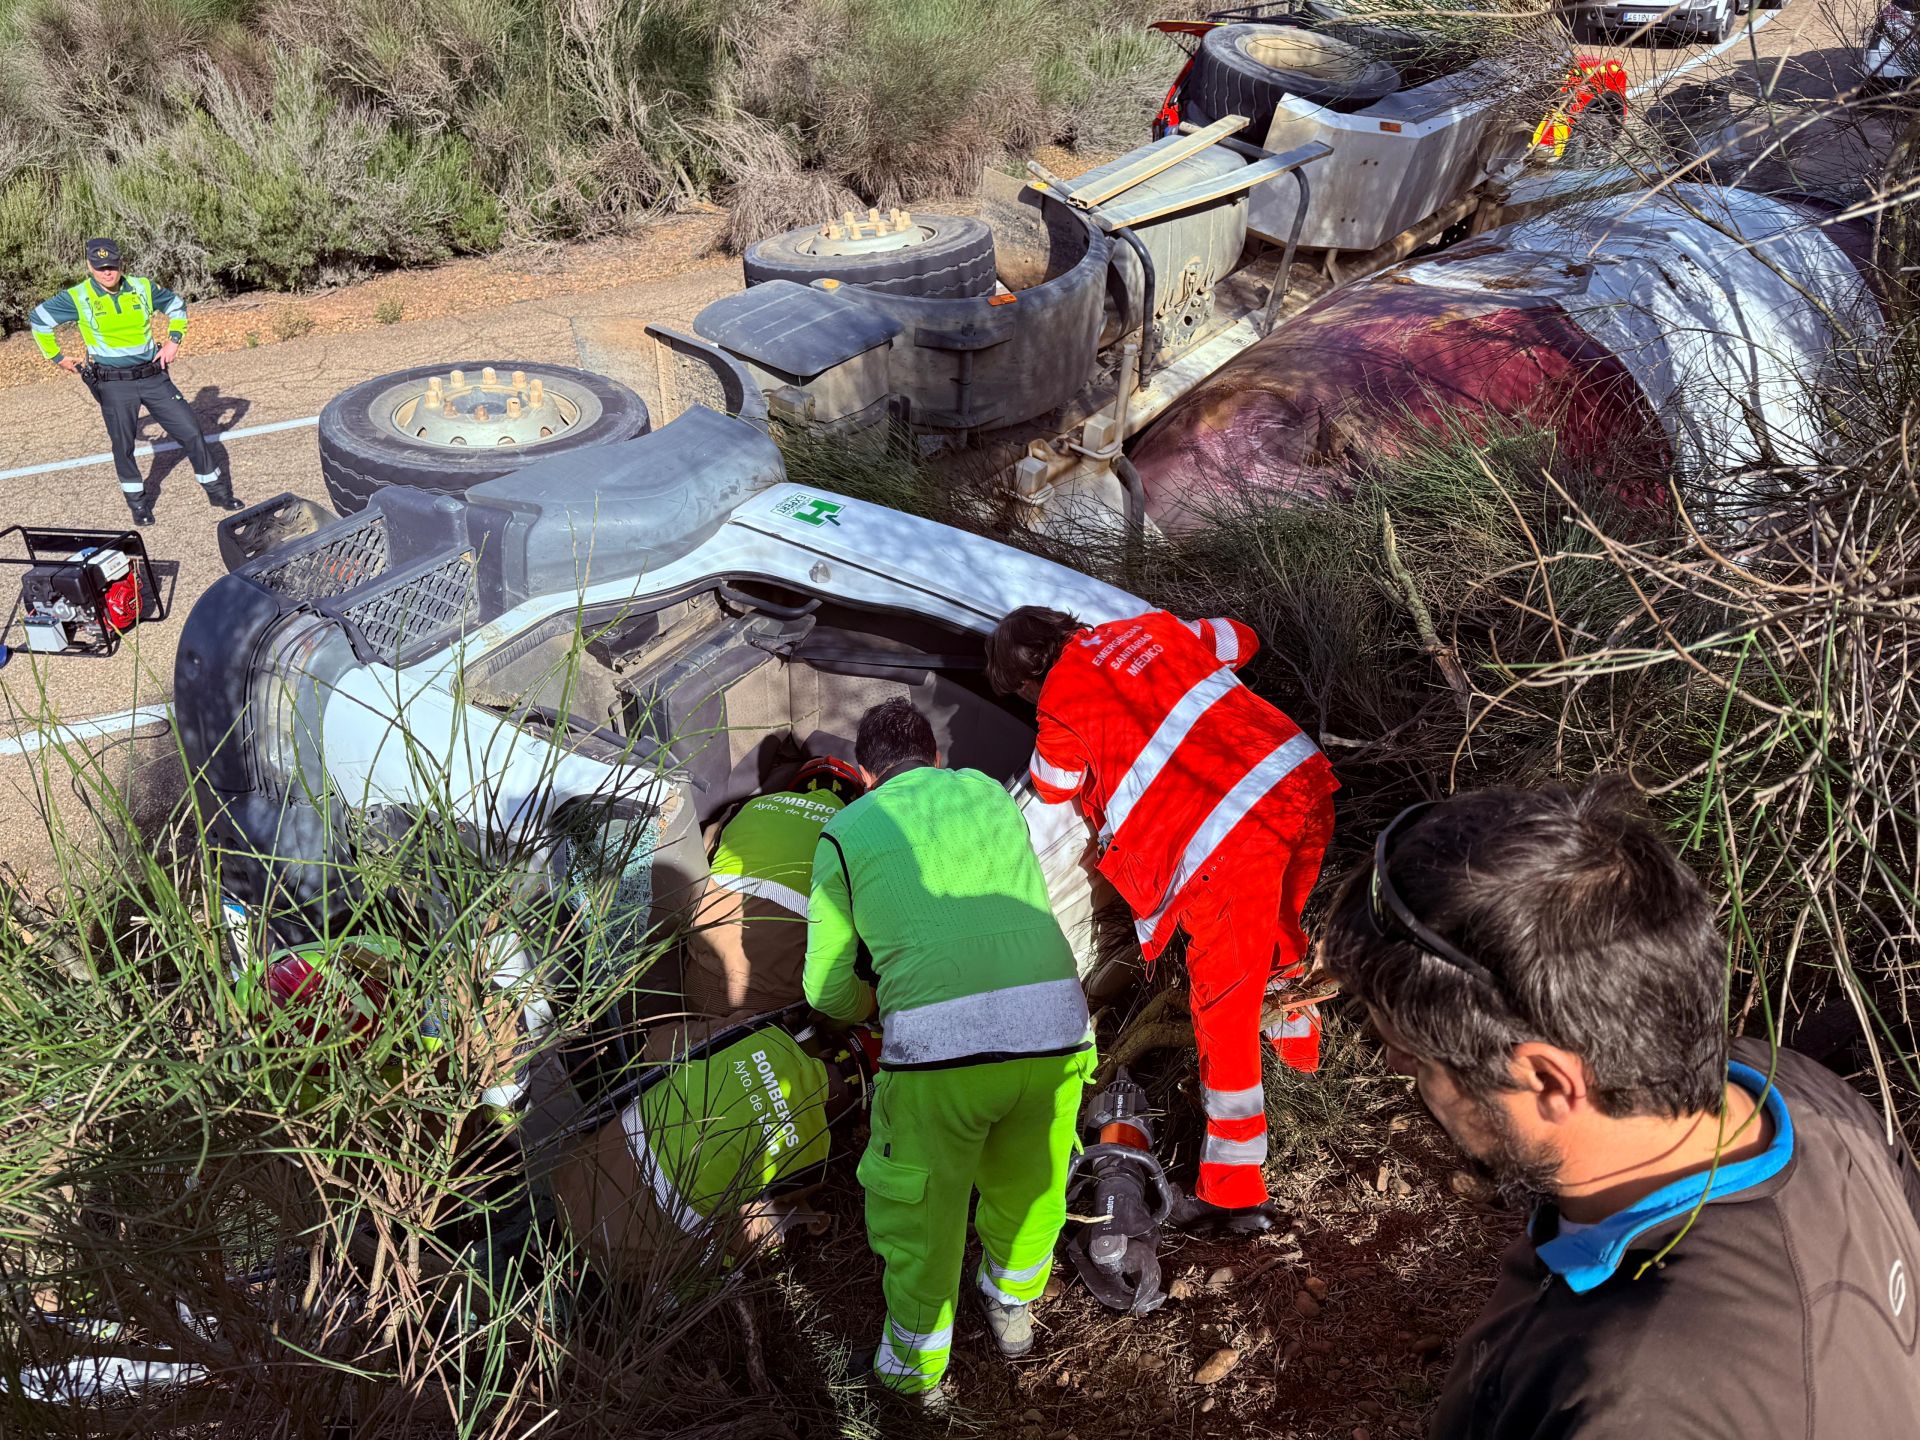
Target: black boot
pixel 141 504
pixel 220 494
pixel 1191 1213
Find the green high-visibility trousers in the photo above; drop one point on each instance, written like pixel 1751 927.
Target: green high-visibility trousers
pixel 1006 1128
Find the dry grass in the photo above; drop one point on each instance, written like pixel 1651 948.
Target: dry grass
pixel 290 143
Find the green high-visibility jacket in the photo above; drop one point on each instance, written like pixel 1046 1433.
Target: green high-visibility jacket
pixel 116 325
pixel 719 1131
pixel 766 851
pixel 927 890
pixel 748 944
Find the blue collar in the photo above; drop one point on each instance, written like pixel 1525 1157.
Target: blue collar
pixel 1589 1257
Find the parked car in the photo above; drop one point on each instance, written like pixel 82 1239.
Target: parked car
pixel 1707 21
pixel 1890 57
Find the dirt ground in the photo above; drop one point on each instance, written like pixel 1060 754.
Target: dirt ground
pixel 1343 1330
pixel 1341 1325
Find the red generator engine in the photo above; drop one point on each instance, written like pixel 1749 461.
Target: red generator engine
pixel 82 590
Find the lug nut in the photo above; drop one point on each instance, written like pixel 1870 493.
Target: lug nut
pixel 537 393
pixel 448 410
pixel 458 377
pixel 487 377
pixel 513 407
pixel 519 379
pixel 479 412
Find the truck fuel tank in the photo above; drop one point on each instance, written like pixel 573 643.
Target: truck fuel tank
pixel 1684 333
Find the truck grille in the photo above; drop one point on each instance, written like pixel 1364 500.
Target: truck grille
pixel 350 555
pixel 430 606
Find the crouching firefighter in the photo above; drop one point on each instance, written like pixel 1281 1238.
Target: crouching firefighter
pixel 749 941
pixel 927 896
pixel 126 369
pixel 1214 811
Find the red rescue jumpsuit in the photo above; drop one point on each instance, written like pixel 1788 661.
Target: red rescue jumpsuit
pixel 1214 811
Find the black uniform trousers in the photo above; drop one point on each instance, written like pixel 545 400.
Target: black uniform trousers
pixel 120 402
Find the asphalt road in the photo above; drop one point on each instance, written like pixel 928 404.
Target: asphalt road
pixel 1807 49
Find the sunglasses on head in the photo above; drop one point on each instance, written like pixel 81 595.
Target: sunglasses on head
pixel 1394 920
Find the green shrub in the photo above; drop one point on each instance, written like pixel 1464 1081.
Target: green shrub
pixel 281 143
pixel 307 191
pixel 389 312
pixel 902 98
pixel 32 263
pixel 101 58
pixel 1103 94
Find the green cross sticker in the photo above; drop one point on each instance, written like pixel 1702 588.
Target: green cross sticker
pixel 818 512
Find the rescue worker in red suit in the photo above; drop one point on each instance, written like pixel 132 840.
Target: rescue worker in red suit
pixel 1213 812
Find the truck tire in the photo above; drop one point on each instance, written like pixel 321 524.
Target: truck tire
pixel 1247 70
pixel 936 257
pixel 1418 55
pixel 363 445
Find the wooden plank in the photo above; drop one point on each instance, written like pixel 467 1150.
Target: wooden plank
pixel 1218 187
pixel 1163 155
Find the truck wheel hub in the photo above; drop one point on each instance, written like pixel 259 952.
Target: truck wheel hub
pixel 873 234
pixel 461 410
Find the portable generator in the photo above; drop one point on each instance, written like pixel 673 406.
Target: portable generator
pixel 82 590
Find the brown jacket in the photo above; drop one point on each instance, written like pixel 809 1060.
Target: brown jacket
pixel 1788 1309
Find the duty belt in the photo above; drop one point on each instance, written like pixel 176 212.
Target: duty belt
pixel 145 370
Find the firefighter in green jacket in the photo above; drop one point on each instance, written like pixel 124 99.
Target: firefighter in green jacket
pixel 928 899
pixel 128 368
pixel 748 945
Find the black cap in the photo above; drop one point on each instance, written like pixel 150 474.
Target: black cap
pixel 103 254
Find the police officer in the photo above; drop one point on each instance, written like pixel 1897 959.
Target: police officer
pixel 115 314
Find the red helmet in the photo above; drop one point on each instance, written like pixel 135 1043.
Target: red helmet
pixel 830 772
pixel 320 985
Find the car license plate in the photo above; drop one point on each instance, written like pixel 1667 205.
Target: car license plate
pixel 1640 17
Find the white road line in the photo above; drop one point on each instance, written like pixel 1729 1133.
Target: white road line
pixel 123 722
pixel 156 447
pixel 1739 37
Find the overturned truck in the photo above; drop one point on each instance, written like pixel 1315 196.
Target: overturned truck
pixel 1054 320
pixel 554 610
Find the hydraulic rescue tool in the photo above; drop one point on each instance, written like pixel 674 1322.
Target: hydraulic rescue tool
pixel 1118 1187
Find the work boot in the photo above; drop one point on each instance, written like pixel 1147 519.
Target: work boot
pixel 141 504
pixel 1190 1212
pixel 938 1400
pixel 1010 1325
pixel 219 492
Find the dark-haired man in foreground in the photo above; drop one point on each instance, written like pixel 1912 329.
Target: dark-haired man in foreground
pixel 1552 977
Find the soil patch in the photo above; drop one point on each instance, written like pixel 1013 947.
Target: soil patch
pixel 1342 1327
pixel 458 287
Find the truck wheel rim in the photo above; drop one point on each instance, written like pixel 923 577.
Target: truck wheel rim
pixel 875 233
pixel 484 410
pixel 1302 52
